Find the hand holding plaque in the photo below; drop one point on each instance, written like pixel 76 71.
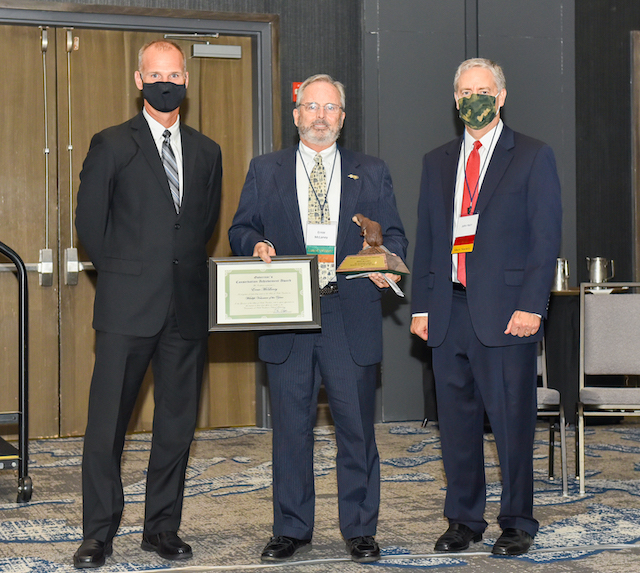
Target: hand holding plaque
pixel 375 257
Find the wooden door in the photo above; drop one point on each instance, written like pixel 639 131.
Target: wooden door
pixel 28 221
pixel 93 71
pixel 229 396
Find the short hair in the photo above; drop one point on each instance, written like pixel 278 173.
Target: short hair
pixel 322 78
pixel 493 67
pixel 162 45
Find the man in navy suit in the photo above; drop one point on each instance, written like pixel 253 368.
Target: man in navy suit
pixel 489 222
pixel 297 201
pixel 148 202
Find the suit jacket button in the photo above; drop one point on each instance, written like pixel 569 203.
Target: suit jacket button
pixel 176 226
pixel 175 261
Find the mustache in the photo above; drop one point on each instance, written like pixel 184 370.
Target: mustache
pixel 322 122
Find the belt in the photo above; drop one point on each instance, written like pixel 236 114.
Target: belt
pixel 331 288
pixel 459 287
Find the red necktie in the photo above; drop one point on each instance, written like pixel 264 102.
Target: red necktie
pixel 470 191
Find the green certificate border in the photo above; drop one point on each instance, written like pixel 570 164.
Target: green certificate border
pixel 293 310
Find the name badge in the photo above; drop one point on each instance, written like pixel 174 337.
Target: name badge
pixel 321 241
pixel 465 234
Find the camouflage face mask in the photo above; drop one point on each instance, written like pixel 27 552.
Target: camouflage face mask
pixel 477 110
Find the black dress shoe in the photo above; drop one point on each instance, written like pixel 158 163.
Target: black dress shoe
pixel 281 548
pixel 168 545
pixel 91 553
pixel 457 538
pixel 363 549
pixel 512 542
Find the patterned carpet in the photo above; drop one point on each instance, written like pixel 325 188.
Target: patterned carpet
pixel 227 514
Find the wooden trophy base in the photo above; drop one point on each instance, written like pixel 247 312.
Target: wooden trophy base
pixel 373 259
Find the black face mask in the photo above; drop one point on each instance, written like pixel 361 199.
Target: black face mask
pixel 164 96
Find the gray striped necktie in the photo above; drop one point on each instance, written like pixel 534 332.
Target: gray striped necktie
pixel 171 169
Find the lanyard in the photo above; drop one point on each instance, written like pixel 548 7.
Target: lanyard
pixel 483 168
pixel 322 205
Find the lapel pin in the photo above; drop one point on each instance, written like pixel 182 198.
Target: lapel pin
pixel 352 176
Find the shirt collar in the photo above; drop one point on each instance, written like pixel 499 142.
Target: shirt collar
pixel 157 129
pixel 308 154
pixel 487 139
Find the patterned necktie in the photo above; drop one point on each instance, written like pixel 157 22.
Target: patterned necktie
pixel 318 206
pixel 469 190
pixel 171 169
pixel 319 213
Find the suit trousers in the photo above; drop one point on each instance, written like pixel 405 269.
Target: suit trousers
pixel 470 379
pixel 351 395
pixel 120 366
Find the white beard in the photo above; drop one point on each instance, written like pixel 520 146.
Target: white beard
pixel 324 138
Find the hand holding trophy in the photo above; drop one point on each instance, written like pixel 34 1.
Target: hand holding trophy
pixel 374 257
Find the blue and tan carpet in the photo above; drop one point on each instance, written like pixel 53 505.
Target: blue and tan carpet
pixel 227 513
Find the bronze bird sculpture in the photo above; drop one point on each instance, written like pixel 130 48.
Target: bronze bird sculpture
pixel 369 259
pixel 370 230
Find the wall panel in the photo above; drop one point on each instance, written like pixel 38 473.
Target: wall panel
pixel 603 128
pixel 420 43
pixel 534 44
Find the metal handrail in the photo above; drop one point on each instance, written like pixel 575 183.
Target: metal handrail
pixel 23 350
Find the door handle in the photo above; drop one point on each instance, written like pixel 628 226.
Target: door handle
pixel 73 267
pixel 44 268
pixel 11 268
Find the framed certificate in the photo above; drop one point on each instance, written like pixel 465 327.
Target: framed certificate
pixel 246 293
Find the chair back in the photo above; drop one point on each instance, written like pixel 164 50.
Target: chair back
pixel 542 363
pixel 609 329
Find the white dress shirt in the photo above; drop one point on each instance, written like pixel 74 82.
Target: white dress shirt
pixel 332 167
pixel 489 141
pixel 157 132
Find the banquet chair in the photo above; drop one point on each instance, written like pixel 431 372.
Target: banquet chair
pixel 550 405
pixel 609 339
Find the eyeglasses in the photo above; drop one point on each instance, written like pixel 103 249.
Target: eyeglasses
pixel 329 108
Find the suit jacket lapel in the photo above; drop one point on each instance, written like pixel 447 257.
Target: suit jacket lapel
pixel 351 185
pixel 285 184
pixel 500 160
pixel 189 152
pixel 142 135
pixel 449 173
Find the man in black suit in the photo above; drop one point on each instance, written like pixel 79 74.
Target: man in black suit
pixel 301 200
pixel 489 223
pixel 148 203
